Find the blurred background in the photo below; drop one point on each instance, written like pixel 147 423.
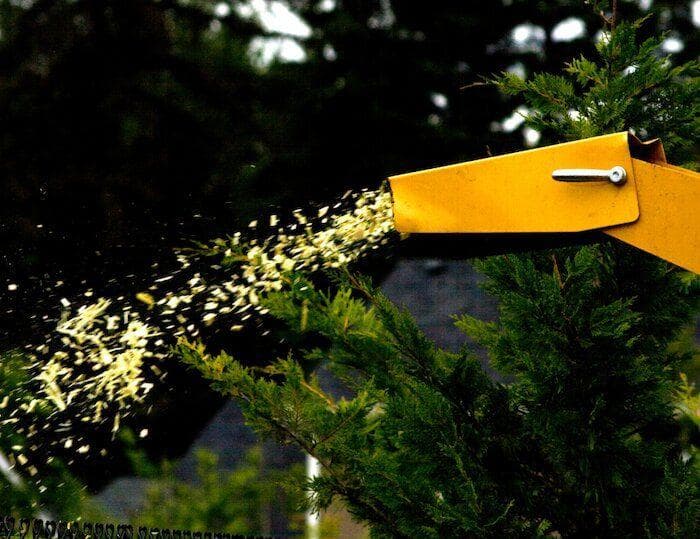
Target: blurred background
pixel 130 127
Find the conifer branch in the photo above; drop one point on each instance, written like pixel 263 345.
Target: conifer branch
pixel 557 272
pixel 320 394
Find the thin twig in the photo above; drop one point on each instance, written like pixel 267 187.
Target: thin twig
pixel 615 14
pixel 601 13
pixel 557 273
pixel 319 394
pixel 475 85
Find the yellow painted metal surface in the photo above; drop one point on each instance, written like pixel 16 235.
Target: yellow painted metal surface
pixel 656 210
pixel 516 193
pixel 669 214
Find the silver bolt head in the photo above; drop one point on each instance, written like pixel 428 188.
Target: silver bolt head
pixel 618 175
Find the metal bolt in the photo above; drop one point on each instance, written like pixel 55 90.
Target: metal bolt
pixel 616 175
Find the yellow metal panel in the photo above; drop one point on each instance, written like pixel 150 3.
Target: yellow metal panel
pixel 516 192
pixel 669 221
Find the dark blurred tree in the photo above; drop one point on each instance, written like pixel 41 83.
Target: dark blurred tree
pixel 228 501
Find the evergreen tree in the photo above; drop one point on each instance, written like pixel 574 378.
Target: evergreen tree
pixel 230 501
pixel 581 441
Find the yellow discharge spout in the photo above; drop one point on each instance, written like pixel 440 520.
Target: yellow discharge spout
pixel 613 183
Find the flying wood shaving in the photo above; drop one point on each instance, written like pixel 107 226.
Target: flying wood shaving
pixel 101 362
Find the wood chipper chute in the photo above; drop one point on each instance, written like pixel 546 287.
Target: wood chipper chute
pixel 614 184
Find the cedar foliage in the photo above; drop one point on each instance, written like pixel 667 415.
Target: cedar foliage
pixel 228 501
pixel 582 440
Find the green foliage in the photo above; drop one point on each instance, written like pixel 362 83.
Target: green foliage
pixel 429 445
pixel 688 415
pixel 630 85
pixel 407 395
pixel 585 334
pixel 235 501
pixel 51 488
pixel 582 441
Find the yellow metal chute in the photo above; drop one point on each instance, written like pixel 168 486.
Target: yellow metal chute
pixel 612 183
